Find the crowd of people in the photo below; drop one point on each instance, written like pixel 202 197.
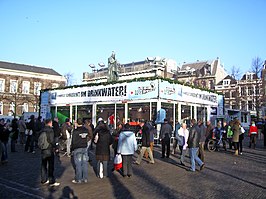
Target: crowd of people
pixel 78 139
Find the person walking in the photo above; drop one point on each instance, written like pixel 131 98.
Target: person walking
pixel 236 132
pixel 182 138
pixel 79 146
pixel 175 142
pixel 229 134
pixel 165 136
pixel 241 138
pixel 145 143
pixel 127 145
pixel 22 128
pixel 153 131
pixel 103 143
pixel 253 133
pixel 193 145
pixel 47 156
pixel 87 125
pixel 4 136
pixel 202 130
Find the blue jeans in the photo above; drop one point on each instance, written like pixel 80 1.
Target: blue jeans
pixel 194 157
pixel 81 163
pixel 4 152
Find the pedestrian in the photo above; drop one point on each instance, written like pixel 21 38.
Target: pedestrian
pixel 165 136
pixel 103 143
pixel 193 145
pixel 4 136
pixel 87 125
pixel 209 131
pixel 177 127
pixel 22 128
pixel 236 132
pixel 224 134
pixel 111 121
pixel 47 156
pixel 145 143
pixel 14 134
pixel 56 129
pixel 229 134
pixel 66 131
pixel 115 136
pixel 182 138
pixel 153 132
pixel 217 132
pixel 202 129
pixel 79 146
pixel 127 145
pixel 30 132
pixel 39 125
pixel 253 133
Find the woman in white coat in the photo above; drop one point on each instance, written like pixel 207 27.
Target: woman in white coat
pixel 183 134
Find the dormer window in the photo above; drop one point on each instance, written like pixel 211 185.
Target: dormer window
pixel 226 82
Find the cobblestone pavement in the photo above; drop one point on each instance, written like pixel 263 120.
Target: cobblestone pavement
pixel 225 176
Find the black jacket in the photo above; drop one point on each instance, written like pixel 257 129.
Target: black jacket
pixel 194 137
pixel 79 138
pixel 145 138
pixel 56 129
pixel 50 138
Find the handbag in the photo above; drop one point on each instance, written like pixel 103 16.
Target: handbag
pixel 118 162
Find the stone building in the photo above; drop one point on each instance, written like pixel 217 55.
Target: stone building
pixel 20 86
pixel 205 74
pixel 151 67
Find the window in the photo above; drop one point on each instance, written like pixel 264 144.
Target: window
pixel 227 95
pixel 226 82
pixel 243 105
pixel 2 85
pixel 25 87
pixel 37 88
pixel 233 93
pixel 250 105
pixel 250 91
pixel 13 86
pixel 25 108
pixel 243 91
pixel 1 108
pixel 55 85
pixel 12 107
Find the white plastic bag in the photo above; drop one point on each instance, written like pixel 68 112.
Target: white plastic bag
pixel 96 138
pixel 101 170
pixel 118 162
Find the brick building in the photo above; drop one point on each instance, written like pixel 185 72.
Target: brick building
pixel 205 74
pixel 20 86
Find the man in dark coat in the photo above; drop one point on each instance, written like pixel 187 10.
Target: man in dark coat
pixel 47 156
pixel 145 138
pixel 193 145
pixel 165 135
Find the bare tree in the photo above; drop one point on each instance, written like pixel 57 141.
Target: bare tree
pixel 69 78
pixel 235 72
pixel 256 67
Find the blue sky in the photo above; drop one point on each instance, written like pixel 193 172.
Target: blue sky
pixel 69 35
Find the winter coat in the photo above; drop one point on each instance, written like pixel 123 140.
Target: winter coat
pixel 145 136
pixel 66 131
pixel 22 126
pixel 56 129
pixel 194 137
pixel 184 133
pixel 253 130
pixel 202 129
pixel 236 132
pixel 50 139
pixel 103 143
pixel 127 143
pixel 166 131
pixel 79 138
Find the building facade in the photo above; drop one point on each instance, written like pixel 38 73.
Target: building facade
pixel 205 74
pixel 263 79
pixel 245 94
pixel 20 87
pixel 151 67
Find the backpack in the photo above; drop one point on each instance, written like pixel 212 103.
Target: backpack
pixel 43 142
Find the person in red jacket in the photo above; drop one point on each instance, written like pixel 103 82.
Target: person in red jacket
pixel 253 132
